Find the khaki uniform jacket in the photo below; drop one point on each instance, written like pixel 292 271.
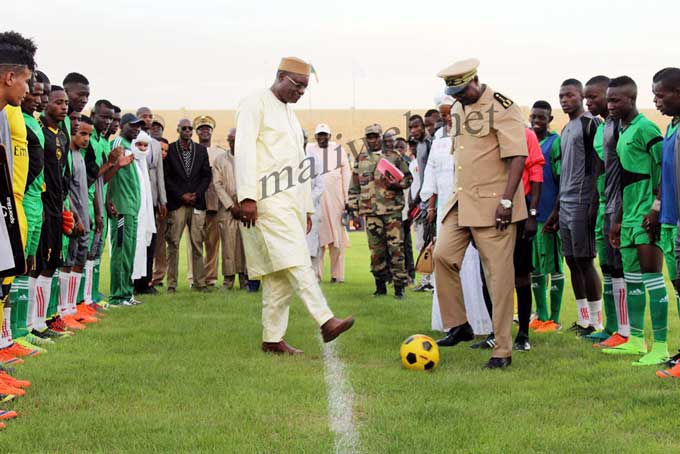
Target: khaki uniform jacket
pixel 484 135
pixel 212 201
pixel 224 180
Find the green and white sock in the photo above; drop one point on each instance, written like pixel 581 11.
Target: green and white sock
pixel 636 299
pixel 611 323
pixel 53 305
pixel 658 304
pixel 619 290
pixel 19 301
pixel 95 280
pixel 539 286
pixel 556 292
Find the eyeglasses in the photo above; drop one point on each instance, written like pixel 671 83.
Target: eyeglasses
pixel 296 84
pixel 187 128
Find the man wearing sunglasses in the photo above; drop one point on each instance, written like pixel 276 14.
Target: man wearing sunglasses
pixel 274 192
pixel 187 177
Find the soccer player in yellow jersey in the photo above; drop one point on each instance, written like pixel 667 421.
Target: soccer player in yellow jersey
pixel 16 67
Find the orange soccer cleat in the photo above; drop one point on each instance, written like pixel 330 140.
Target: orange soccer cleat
pixel 15 382
pixel 8 414
pixel 548 327
pixel 71 323
pixel 86 309
pixel 89 309
pixel 20 351
pixel 536 323
pixel 673 372
pixel 11 390
pixel 9 359
pixel 612 341
pixel 58 325
pixel 83 316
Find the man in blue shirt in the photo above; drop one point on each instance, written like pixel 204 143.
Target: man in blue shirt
pixel 664 213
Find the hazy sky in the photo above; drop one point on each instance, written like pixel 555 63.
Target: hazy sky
pixel 208 54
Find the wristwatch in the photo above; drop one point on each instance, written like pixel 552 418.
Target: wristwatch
pixel 533 212
pixel 507 204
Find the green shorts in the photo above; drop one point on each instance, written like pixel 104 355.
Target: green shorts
pixel 630 238
pixel 547 252
pixel 668 234
pixel 634 236
pixel 33 208
pixel 33 238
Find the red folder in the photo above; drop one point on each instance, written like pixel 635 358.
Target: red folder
pixel 385 167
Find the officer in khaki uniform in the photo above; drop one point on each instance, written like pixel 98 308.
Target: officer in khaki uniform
pixel 489 149
pixel 381 200
pixel 204 125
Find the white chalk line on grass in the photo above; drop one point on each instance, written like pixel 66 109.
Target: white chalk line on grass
pixel 340 402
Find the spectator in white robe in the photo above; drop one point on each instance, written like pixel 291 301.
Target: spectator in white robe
pixel 146 225
pixel 337 175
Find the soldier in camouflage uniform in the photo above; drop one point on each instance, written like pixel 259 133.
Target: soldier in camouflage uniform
pixel 381 199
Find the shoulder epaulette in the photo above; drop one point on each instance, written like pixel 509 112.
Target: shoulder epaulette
pixel 505 102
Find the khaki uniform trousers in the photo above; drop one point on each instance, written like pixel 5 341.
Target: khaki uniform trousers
pixel 212 247
pixel 177 220
pixel 277 292
pixel 496 253
pixel 233 255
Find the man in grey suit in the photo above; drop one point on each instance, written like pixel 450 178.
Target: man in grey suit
pixel 157 180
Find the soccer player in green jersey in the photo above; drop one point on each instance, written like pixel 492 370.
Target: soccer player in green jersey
pixel 78 90
pixel 122 204
pixel 639 149
pixel 115 124
pixel 22 318
pixel 96 159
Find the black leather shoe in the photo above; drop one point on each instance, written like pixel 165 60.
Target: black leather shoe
pixel 460 333
pixel 498 363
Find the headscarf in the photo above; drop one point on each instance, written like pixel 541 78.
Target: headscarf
pixel 142 137
pixel 146 224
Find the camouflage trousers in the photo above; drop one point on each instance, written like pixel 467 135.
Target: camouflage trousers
pixel 386 241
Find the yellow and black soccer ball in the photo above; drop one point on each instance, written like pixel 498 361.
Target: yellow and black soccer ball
pixel 419 352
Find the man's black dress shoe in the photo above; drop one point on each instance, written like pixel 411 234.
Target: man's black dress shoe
pixel 460 333
pixel 498 363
